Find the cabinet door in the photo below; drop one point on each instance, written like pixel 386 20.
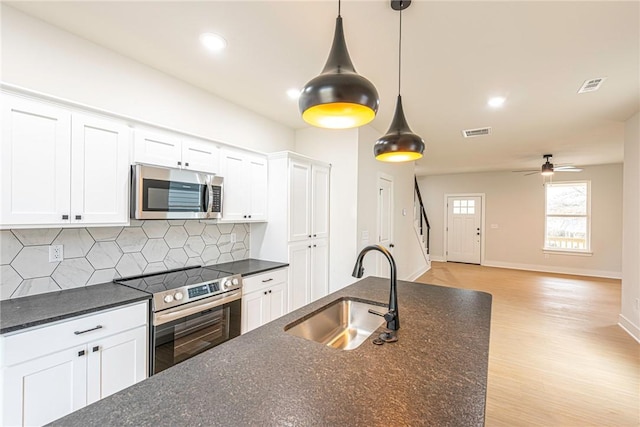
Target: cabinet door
pixel 202 156
pixel 320 202
pixel 319 269
pixel 116 362
pixel 235 204
pixel 299 274
pixel 99 171
pixel 254 310
pixel 277 301
pixel 155 148
pixel 44 389
pixel 35 158
pixel 299 201
pixel 258 188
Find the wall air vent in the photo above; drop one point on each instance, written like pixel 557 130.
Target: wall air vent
pixel 470 133
pixel 591 85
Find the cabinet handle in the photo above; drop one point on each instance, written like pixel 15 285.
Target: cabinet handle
pixel 65 216
pixel 309 246
pixel 186 164
pixel 314 235
pixel 249 216
pixel 265 292
pixel 96 348
pixel 179 163
pixel 309 235
pixel 88 330
pixel 245 216
pixel 81 353
pixel 267 280
pixel 78 216
pixel 315 246
pixel 269 291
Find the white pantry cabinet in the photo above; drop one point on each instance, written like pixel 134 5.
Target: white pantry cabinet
pixel 298 227
pixel 264 298
pixel 61 167
pixel 51 371
pixel 154 147
pixel 245 186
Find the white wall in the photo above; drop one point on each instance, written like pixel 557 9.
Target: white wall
pixel 407 252
pixel 340 149
pixel 630 312
pixel 515 203
pixel 44 58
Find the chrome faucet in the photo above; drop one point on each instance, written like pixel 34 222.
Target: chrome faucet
pixel 392 316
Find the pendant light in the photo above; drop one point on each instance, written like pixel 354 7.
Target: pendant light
pixel 399 144
pixel 339 98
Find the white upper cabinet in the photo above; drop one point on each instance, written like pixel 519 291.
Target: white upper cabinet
pixel 309 199
pixel 245 186
pixel 60 167
pixel 320 201
pixel 99 171
pixel 158 148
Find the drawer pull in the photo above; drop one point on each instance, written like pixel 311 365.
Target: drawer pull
pixel 81 353
pixel 267 280
pixel 96 348
pixel 88 330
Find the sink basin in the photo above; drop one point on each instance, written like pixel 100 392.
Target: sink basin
pixel 344 324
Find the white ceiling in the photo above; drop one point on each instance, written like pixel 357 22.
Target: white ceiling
pixel 455 56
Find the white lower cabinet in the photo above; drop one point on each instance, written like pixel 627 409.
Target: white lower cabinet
pixel 52 371
pixel 308 272
pixel 264 298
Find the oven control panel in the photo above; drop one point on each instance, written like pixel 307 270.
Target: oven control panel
pixel 186 294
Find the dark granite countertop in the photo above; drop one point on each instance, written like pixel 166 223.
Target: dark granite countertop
pixel 436 373
pixel 25 312
pixel 247 267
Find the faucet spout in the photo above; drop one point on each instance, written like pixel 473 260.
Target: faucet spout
pixel 392 317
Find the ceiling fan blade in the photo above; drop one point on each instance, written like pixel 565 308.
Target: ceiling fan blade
pixel 532 173
pixel 567 169
pixel 527 170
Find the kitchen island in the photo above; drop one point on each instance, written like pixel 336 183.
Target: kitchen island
pixel 435 374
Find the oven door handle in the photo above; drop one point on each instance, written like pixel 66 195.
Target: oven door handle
pixel 170 315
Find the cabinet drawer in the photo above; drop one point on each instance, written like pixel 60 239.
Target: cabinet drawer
pixel 23 346
pixel 263 280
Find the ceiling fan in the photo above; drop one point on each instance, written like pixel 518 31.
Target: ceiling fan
pixel 548 169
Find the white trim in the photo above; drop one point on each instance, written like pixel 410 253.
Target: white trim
pixel 629 328
pixel 555 269
pixel 418 273
pixel 482 222
pixel 438 258
pixel 587 215
pixel 566 252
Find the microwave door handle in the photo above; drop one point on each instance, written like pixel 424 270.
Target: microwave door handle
pixel 210 201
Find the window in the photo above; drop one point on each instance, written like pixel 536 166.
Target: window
pixel 567 216
pixel 464 207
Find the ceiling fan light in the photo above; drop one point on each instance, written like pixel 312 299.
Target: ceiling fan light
pixel 339 97
pixel 547 169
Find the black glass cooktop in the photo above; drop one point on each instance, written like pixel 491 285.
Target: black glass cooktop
pixel 173 279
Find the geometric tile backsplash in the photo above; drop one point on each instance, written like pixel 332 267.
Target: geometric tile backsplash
pixel 100 254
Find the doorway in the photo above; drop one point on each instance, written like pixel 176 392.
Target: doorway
pixel 385 222
pixel 464 228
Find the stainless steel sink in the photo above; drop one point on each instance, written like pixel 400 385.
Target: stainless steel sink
pixel 344 324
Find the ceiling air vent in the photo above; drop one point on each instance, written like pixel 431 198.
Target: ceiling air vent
pixel 469 133
pixel 591 85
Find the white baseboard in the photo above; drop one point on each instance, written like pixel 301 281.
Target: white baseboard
pixel 555 269
pixel 418 273
pixel 437 258
pixel 629 327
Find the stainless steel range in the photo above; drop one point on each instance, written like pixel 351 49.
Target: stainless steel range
pixel 193 309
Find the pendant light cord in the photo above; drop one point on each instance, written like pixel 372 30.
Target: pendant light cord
pixel 400 52
pixel 338 7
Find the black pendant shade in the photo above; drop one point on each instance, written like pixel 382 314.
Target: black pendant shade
pixel 399 144
pixel 339 98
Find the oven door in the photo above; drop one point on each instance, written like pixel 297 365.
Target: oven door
pixel 174 341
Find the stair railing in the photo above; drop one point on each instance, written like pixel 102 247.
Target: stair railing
pixel 422 213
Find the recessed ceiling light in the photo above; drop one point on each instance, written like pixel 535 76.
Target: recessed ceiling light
pixel 293 93
pixel 496 101
pixel 213 41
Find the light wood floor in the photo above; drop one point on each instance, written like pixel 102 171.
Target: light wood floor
pixel 557 356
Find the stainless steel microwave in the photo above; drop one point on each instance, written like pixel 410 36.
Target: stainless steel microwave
pixel 164 193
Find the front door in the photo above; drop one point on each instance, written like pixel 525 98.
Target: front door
pixel 464 219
